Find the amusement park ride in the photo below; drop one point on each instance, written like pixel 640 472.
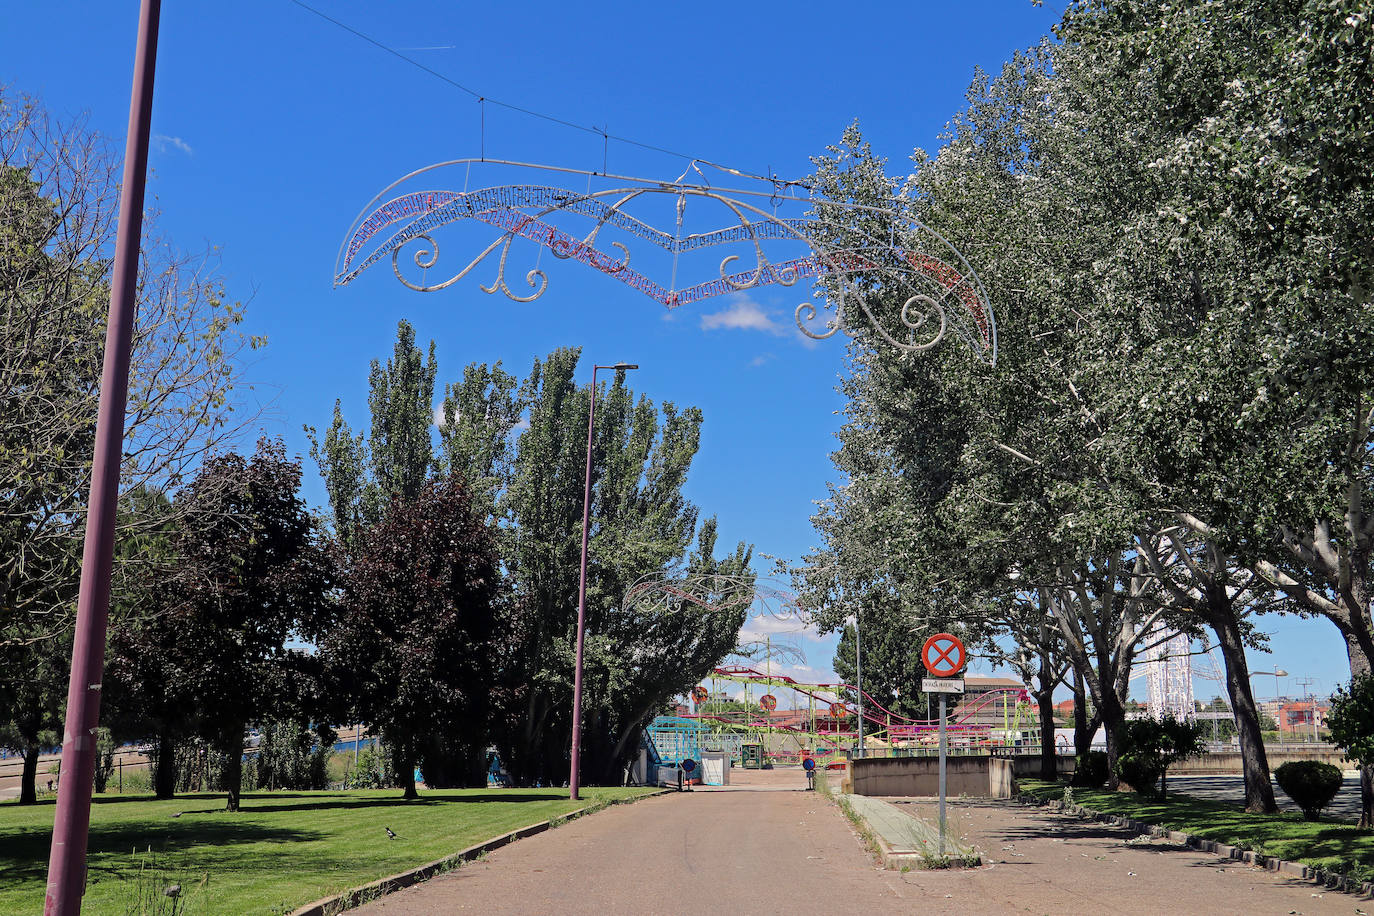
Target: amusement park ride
pixel 826 726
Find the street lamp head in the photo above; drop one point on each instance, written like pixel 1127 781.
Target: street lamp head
pixel 625 366
pixel 1279 672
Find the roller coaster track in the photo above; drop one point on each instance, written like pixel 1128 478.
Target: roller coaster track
pixel 964 723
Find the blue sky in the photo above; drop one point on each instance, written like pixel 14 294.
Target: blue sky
pixel 274 127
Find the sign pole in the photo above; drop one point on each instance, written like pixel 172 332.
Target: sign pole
pixel 944 656
pixel 942 776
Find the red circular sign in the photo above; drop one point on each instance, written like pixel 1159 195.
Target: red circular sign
pixel 838 711
pixel 943 655
pixel 768 702
pixel 699 694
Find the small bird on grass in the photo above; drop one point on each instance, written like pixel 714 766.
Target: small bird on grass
pixel 390 834
pixel 179 814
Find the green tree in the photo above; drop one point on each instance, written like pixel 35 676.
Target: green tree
pixel 1150 746
pixel 1351 722
pixel 58 185
pixel 640 523
pixel 362 479
pixel 1244 280
pixel 522 449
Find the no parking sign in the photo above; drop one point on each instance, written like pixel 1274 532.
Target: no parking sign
pixel 943 655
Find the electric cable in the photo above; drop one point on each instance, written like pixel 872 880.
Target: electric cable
pixel 482 99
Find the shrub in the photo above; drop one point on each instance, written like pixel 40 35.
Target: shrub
pixel 290 756
pixel 104 758
pixel 1352 730
pixel 1310 783
pixel 1091 770
pixel 1148 747
pixel 376 770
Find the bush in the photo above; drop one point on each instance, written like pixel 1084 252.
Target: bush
pixel 104 758
pixel 376 770
pixel 1148 747
pixel 290 756
pixel 1090 771
pixel 1310 783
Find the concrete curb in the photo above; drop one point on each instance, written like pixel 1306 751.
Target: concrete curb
pixel 895 846
pixel 338 903
pixel 1318 876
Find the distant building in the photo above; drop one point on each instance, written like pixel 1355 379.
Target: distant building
pixel 1297 718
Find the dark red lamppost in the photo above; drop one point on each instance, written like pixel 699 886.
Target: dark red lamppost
pixel 71 826
pixel 574 782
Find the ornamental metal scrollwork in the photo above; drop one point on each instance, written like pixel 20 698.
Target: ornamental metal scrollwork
pixel 908 289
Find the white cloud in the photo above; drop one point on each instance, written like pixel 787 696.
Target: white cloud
pixel 768 625
pixel 164 143
pixel 760 359
pixel 744 314
pixel 521 424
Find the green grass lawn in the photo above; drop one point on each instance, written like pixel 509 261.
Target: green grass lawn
pixel 1333 845
pixel 284 849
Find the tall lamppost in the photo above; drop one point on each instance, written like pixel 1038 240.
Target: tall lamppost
pixel 1278 706
pixel 573 778
pixel 859 678
pixel 72 819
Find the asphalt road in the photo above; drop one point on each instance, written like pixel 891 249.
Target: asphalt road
pixel 1346 805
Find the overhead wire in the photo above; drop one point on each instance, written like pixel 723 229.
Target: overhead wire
pixel 483 99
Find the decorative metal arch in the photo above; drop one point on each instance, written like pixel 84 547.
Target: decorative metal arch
pixel 665 593
pixel 912 264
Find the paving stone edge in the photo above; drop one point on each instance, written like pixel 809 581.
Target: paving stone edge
pixel 338 903
pixel 1319 876
pixel 894 861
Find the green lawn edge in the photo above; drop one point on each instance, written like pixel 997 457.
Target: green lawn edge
pixel 283 851
pixel 1332 846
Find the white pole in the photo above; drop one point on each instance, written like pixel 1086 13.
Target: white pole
pixel 859 676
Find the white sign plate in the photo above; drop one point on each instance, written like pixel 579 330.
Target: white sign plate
pixel 942 685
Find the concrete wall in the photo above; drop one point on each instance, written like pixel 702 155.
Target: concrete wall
pixel 920 776
pixel 1029 765
pixel 1220 762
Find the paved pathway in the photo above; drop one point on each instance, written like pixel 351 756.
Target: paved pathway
pixel 743 852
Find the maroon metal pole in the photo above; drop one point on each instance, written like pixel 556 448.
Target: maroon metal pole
pixel 574 781
pixel 67 860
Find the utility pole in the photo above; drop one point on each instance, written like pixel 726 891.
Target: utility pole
pixel 1306 683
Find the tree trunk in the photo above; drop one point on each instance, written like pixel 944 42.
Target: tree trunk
pixel 407 761
pixel 1082 731
pixel 1360 664
pixel 165 772
pixel 1044 699
pixel 1366 797
pixel 28 784
pixel 1113 714
pixel 1259 789
pixel 635 727
pixel 231 746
